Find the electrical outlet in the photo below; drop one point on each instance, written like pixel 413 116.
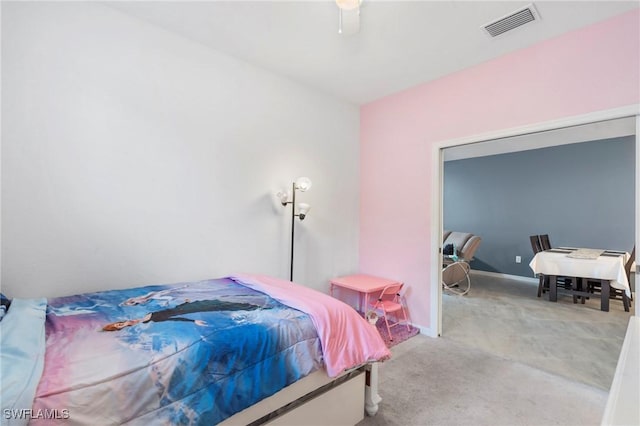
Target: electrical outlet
pixel 518 259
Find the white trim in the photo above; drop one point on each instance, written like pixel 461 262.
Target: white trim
pixel 506 276
pixel 437 185
pixel 622 404
pixel 576 120
pixel 637 271
pixel 600 130
pixel 435 318
pixel 427 331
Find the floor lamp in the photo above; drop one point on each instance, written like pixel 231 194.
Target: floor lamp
pixel 301 184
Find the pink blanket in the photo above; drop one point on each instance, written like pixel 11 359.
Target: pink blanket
pixel 348 340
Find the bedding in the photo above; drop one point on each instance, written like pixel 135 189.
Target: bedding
pixel 187 353
pixel 344 339
pixel 22 343
pixel 5 302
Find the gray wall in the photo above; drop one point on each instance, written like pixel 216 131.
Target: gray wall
pixel 582 195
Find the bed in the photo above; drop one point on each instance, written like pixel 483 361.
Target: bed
pixel 245 349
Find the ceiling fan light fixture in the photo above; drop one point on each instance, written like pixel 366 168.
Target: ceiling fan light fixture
pixel 351 8
pixel 348 4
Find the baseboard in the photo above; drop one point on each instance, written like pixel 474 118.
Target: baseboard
pixel 507 276
pixel 427 331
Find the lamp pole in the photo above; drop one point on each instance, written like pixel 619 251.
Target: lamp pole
pixel 293 217
pixel 303 184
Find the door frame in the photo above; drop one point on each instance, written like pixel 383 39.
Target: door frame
pixel 437 179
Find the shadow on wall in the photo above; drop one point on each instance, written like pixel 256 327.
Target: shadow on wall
pixel 480 265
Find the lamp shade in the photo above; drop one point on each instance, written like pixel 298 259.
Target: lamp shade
pixel 303 183
pixel 303 209
pixel 283 196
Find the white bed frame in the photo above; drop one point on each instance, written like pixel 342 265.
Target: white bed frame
pixel 317 398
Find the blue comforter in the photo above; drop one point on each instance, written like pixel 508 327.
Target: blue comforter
pixel 189 353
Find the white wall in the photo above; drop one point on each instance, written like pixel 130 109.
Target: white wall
pixel 132 156
pixel 0 150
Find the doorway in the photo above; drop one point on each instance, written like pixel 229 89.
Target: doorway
pixel 537 136
pixel 486 329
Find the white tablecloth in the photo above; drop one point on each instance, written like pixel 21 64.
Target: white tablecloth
pixel 604 267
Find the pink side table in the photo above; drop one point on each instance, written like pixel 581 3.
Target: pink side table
pixel 363 284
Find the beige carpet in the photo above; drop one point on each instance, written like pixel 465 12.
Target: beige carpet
pixel 506 318
pixel 506 358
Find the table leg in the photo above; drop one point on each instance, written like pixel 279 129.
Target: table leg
pixel 553 288
pixel 605 290
pixel 366 304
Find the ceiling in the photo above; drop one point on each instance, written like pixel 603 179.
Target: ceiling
pixel 400 43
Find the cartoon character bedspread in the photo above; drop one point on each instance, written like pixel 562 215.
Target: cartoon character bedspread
pixel 190 353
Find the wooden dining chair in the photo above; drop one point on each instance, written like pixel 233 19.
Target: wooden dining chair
pixel 536 245
pixel 544 242
pixel 543 282
pixel 595 286
pixel 627 268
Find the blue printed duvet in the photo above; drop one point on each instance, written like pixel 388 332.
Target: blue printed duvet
pixel 190 353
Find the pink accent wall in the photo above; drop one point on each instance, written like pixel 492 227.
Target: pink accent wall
pixel 590 69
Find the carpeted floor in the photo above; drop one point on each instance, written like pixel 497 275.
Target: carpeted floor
pixel 506 358
pixel 399 332
pixel 441 382
pixel 506 318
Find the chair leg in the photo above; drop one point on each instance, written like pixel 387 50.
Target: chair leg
pixel 625 301
pixel 388 328
pixel 406 320
pixel 577 284
pixel 540 285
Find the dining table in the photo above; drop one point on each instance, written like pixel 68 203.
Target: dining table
pixel 606 266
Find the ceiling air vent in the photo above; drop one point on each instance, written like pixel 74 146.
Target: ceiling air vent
pixel 511 21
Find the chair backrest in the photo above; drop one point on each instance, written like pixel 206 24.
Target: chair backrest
pixel 465 243
pixel 469 249
pixel 391 292
pixel 535 243
pixel 544 242
pixel 627 266
pixel 458 239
